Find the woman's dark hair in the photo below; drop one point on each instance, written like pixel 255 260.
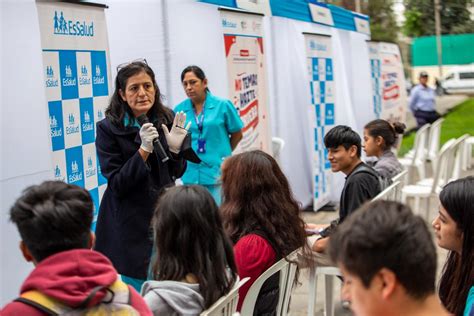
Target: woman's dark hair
pixel 190 238
pixel 389 132
pixel 198 72
pixel 53 217
pixel 457 198
pixel 257 197
pixel 117 108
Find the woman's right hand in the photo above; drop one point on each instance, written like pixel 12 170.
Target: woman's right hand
pixel 147 134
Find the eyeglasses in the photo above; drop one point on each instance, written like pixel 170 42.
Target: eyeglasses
pixel 136 61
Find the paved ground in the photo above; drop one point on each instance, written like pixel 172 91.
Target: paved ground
pixel 443 105
pixel 299 299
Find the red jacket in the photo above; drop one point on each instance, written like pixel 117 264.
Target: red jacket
pixel 69 277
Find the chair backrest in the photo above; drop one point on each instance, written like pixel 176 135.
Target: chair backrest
pixel 277 146
pixel 287 271
pixel 389 194
pixel 402 177
pixel 227 304
pixel 456 158
pixel 419 145
pixel 441 174
pixel 433 138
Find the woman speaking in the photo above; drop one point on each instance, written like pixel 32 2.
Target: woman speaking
pixel 135 171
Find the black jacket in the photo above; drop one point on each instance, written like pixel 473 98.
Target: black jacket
pixel 123 231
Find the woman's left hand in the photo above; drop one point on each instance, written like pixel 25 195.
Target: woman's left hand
pixel 178 132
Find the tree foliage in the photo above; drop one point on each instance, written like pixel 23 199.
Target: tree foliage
pixel 420 21
pixel 383 25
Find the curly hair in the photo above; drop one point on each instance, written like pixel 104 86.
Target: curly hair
pixel 115 112
pixel 257 197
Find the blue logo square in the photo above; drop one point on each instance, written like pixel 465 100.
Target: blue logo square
pixel 316 145
pixel 329 114
pixel 56 126
pixel 95 198
pixel 75 166
pixel 327 164
pixel 315 69
pixel 329 70
pixel 322 89
pixel 87 120
pixel 68 66
pixel 101 180
pixel 318 114
pixel 99 74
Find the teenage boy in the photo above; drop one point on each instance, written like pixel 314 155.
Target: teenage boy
pixel 54 220
pixel 388 260
pixel 362 182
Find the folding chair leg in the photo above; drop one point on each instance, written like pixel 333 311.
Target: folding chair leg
pixel 312 291
pixel 329 283
pixel 427 211
pixel 416 207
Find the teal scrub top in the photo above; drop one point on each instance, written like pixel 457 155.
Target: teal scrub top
pixel 469 309
pixel 220 119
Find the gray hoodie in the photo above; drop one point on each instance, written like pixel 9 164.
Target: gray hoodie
pixel 173 298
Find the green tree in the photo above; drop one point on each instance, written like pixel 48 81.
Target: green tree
pixel 419 17
pixel 383 26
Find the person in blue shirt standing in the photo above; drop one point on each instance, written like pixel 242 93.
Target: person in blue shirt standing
pixel 422 102
pixel 216 130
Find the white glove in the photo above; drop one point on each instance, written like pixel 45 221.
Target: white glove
pixel 178 132
pixel 147 134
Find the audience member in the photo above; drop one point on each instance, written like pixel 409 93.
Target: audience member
pixel 388 262
pixel 379 138
pixel 454 230
pixel 362 182
pixel 54 220
pixel 262 218
pixel 195 261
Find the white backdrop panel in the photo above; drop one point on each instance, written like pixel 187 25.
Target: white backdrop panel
pixel 26 155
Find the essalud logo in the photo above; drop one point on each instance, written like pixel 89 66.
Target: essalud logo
pixel 63 26
pixel 51 81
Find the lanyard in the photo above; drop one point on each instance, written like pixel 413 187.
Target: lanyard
pixel 199 122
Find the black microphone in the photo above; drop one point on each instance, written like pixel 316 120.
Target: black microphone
pixel 160 152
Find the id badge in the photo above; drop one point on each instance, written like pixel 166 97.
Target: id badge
pixel 201 146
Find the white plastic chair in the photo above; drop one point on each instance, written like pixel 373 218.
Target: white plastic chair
pixel 227 304
pixel 433 139
pixel 468 152
pixel 457 157
pixel 329 274
pixel 277 146
pixel 390 192
pixel 287 276
pixel 402 177
pixel 419 192
pixel 419 157
pixel 429 181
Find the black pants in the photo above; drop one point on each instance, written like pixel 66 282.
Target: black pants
pixel 425 117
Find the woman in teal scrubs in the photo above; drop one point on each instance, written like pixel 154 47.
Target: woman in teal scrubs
pixel 216 130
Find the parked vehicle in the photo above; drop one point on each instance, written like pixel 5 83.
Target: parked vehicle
pixel 460 80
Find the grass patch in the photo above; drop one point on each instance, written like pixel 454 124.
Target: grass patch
pixel 458 121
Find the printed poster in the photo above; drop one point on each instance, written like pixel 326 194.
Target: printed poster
pixel 246 72
pixel 321 111
pixel 388 81
pixel 77 81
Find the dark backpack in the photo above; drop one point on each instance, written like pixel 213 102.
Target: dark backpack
pixel 383 182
